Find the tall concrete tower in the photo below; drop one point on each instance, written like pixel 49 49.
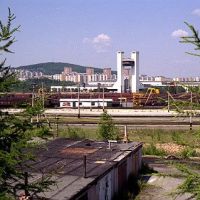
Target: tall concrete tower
pixel 135 72
pixel 131 63
pixel 120 83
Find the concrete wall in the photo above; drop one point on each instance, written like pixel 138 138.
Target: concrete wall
pixel 105 187
pixel 135 72
pixel 111 183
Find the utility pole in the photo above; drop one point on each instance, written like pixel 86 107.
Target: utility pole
pixel 33 94
pixel 168 99
pixel 90 101
pixel 79 114
pixel 57 118
pixel 33 98
pixel 42 95
pixel 103 98
pixel 191 111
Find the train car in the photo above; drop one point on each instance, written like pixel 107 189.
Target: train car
pixel 14 99
pixel 85 103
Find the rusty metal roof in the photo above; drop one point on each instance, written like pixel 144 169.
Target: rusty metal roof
pixel 64 158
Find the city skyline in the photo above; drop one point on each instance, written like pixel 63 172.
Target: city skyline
pixel 89 33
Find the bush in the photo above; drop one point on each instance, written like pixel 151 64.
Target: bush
pixel 153 150
pixel 106 128
pixel 74 133
pixel 188 152
pixel 42 132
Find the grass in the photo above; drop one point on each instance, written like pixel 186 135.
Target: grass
pixel 74 132
pixel 182 137
pixel 190 140
pixel 188 152
pixel 153 150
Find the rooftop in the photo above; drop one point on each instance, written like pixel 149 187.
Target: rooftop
pixel 64 158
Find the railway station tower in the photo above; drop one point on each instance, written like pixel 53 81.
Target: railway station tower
pixel 132 64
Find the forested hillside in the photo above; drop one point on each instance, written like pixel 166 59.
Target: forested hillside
pixel 56 68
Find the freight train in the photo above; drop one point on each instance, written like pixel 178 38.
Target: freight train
pixel 52 100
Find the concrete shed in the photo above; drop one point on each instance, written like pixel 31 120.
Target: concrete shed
pixel 87 170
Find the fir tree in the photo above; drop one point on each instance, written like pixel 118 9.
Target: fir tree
pixel 193 39
pixel 191 183
pixel 15 134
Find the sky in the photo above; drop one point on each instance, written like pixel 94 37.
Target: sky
pixel 90 32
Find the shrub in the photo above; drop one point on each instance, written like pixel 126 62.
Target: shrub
pixel 188 152
pixel 153 150
pixel 75 133
pixel 106 127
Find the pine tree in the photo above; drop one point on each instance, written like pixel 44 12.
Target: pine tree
pixel 191 183
pixel 193 39
pixel 15 134
pixel 6 40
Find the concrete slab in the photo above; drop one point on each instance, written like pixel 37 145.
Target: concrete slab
pixel 162 187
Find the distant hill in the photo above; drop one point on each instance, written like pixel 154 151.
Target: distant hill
pixel 51 68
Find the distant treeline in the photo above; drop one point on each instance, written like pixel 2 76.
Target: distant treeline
pixel 27 85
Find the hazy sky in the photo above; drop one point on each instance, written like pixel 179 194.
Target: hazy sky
pixel 90 32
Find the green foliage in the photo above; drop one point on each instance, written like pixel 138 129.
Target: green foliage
pixel 188 152
pixel 192 179
pixel 6 40
pixel 26 86
pixel 75 133
pixel 177 138
pixel 36 109
pixel 153 150
pixel 194 39
pixel 106 127
pixel 15 135
pixel 41 132
pixel 6 33
pixel 191 183
pixel 51 68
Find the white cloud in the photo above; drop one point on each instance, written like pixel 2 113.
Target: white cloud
pixel 196 12
pixel 102 39
pixel 100 42
pixel 179 33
